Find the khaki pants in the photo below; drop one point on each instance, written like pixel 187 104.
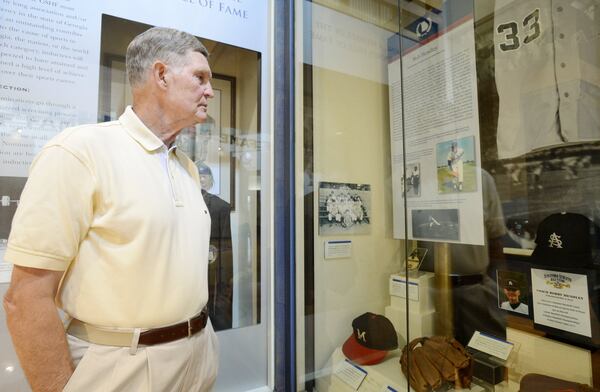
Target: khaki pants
pixel 186 365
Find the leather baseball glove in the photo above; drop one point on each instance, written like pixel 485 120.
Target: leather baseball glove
pixel 430 362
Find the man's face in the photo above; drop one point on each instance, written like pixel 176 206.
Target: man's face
pixel 512 295
pixel 188 89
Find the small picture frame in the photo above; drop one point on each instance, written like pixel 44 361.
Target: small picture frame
pixel 415 259
pixel 513 291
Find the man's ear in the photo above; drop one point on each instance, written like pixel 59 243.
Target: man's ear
pixel 159 72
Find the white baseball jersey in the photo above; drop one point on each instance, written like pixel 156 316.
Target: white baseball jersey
pixel 547 55
pixel 522 308
pixel 456 161
pixel 456 156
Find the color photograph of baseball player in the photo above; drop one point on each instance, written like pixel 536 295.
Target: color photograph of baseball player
pixel 344 208
pixel 456 165
pixel 513 292
pixel 413 179
pixel 439 224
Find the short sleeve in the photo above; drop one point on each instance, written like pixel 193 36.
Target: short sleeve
pixel 54 213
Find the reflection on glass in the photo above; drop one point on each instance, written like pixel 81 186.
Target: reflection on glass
pixel 217 147
pixel 478 132
pixel 220 270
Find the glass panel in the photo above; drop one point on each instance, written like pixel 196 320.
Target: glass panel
pixel 464 158
pixel 224 149
pixel 65 65
pixel 349 251
pixel 538 88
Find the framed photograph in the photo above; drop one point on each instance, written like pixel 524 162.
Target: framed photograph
pixel 415 259
pixel 117 90
pixel 211 144
pixel 413 179
pixel 513 291
pixel 456 165
pixel 438 224
pixel 344 208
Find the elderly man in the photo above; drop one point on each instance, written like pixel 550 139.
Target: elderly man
pixel 112 225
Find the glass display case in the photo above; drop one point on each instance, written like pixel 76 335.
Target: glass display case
pixel 449 158
pixel 63 64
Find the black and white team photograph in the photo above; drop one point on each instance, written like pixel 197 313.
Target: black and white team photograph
pixel 344 208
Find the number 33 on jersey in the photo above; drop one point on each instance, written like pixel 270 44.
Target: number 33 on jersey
pixel 547 67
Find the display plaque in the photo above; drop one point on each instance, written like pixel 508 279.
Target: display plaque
pixel 561 301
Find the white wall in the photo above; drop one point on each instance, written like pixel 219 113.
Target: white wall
pixel 351 145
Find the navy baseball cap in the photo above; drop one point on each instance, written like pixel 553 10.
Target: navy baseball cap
pixel 373 335
pixel 567 240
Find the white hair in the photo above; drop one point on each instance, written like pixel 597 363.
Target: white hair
pixel 158 43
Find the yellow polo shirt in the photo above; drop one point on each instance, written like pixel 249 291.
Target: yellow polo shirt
pixel 124 217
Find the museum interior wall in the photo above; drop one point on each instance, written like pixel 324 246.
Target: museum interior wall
pixel 351 146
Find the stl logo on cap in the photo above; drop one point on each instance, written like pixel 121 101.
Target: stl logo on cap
pixel 372 337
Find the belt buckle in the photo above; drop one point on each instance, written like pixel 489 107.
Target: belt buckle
pixel 189 328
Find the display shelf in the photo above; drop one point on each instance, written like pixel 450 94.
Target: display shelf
pixel 384 377
pixel 379 377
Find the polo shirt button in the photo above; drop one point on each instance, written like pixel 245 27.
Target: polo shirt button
pixel 563 65
pixel 561 36
pixel 559 9
pixel 566 95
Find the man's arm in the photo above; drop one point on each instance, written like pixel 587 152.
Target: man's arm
pixel 36 329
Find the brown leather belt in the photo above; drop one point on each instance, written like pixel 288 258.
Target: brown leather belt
pixel 124 337
pixel 174 332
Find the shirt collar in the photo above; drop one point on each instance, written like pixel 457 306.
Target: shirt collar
pixel 139 131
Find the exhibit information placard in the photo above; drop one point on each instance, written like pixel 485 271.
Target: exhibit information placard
pixel 491 345
pixel 398 289
pixel 338 249
pixel 436 160
pixel 561 301
pixel 351 374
